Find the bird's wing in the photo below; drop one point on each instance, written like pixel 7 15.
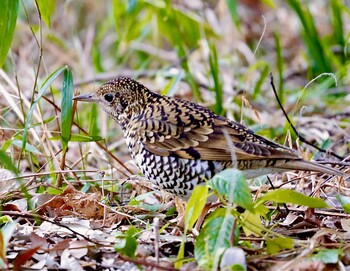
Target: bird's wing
pixel 193 132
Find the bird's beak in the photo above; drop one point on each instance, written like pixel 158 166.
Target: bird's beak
pixel 85 98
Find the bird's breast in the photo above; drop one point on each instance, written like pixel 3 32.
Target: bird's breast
pixel 173 174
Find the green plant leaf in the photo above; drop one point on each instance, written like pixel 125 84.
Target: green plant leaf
pixel 53 191
pixel 277 244
pixel 41 92
pixel 338 26
pixel 232 7
pixel 127 242
pixel 195 205
pixel 29 147
pixel 261 68
pixel 231 183
pixel 290 196
pixel 215 73
pixel 170 88
pixel 280 66
pixel 251 223
pixel 66 107
pixel 194 208
pixel 94 129
pixel 45 121
pixel 5 235
pixel 84 138
pixel 6 162
pixel 47 8
pixel 345 202
pixel 139 201
pixel 328 256
pixel 320 60
pixel 8 17
pixel 214 237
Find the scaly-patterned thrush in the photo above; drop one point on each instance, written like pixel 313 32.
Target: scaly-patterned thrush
pixel 178 144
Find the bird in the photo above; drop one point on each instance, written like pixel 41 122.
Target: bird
pixel 178 144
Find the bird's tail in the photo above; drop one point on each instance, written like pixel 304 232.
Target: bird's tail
pixel 310 166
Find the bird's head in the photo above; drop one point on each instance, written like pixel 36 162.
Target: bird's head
pixel 120 98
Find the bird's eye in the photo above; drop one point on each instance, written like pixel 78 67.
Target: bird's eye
pixel 109 97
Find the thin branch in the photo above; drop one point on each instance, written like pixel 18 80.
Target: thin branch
pixel 301 138
pixel 42 218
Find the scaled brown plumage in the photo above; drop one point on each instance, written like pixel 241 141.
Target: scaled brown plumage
pixel 178 144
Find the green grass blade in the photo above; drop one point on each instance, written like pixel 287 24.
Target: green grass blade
pixel 28 148
pixel 6 162
pixel 94 129
pixel 215 73
pixel 80 138
pixel 280 66
pixel 47 8
pixel 178 38
pixel 171 87
pixel 8 17
pixel 264 73
pixel 66 107
pixel 41 92
pixel 320 61
pixel 232 7
pixel 338 28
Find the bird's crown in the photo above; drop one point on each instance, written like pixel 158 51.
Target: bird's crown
pixel 124 85
pixel 122 97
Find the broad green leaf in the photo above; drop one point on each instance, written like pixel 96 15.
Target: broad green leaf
pixel 290 196
pixel 328 256
pixel 8 17
pixel 214 237
pixel 194 208
pixel 277 244
pixel 345 202
pixel 53 191
pixel 195 205
pixel 66 107
pixel 29 147
pixel 5 235
pixel 6 162
pixel 139 201
pixel 232 184
pixel 251 224
pixel 127 242
pixel 47 8
pixel 41 92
